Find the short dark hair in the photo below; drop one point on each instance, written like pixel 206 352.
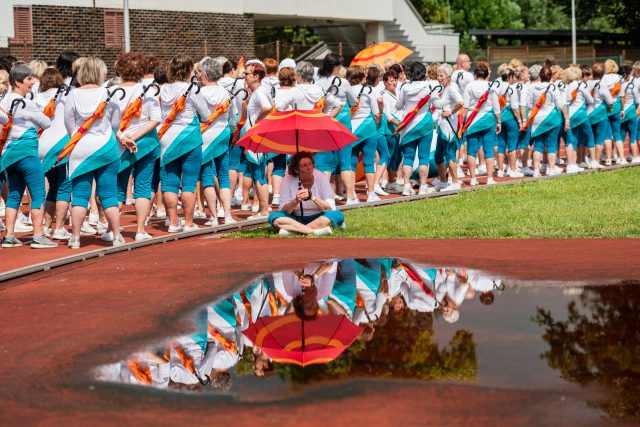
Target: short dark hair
pixel 304 302
pixel 507 74
pixel 180 68
pixel 295 159
pixel 65 62
pixel 545 74
pixel 355 75
pixel 330 62
pixel 417 71
pixel 286 77
pixel 388 75
pixel 398 68
pixel 228 67
pixel 481 70
pixel 597 70
pixel 372 75
pixel 160 72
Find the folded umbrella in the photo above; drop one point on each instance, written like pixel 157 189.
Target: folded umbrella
pixel 413 113
pixel 179 105
pixel 12 110
pixel 134 109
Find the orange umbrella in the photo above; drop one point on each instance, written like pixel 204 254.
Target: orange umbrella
pixel 179 105
pixel 50 108
pixel 220 109
pixel 378 53
pixel 354 108
pixel 98 114
pixel 9 125
pixel 539 103
pixel 287 339
pixel 135 107
pixel 321 104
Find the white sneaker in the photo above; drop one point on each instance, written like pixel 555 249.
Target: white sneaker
pixel 635 160
pixel 256 216
pixel 322 231
pixel 490 181
pixel 74 243
pixel 220 212
pixel 255 208
pixel 519 163
pixel 339 197
pixel 283 232
pixel 407 191
pixel 460 172
pixel 61 234
pixel 607 162
pixel 536 174
pixel 351 201
pixel 21 227
pixel 425 189
pixel 275 201
pixel 373 197
pixel 584 165
pixel 246 207
pixel 118 241
pixel 174 228
pixel 379 191
pixel 141 237
pixel 482 170
pixel 559 161
pixel 212 222
pixel 595 165
pixel 622 161
pixel 543 168
pixel 47 232
pixel 473 182
pixel 500 174
pixel 573 169
pixel 87 230
pixel 130 202
pixel 229 220
pixel 193 227
pixel 147 221
pixel 453 187
pixel 527 171
pixel 101 227
pixel 23 218
pixel 161 214
pixel 199 215
pixel 167 221
pixel 93 218
pixel 515 174
pixel 107 237
pixel 554 171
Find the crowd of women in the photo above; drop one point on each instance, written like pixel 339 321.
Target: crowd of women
pixel 163 135
pixel 366 291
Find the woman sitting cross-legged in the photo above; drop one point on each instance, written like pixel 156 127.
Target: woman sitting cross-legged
pixel 313 193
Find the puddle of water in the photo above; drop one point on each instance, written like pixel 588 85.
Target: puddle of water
pixel 340 320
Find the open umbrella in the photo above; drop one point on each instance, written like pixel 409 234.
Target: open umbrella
pixel 380 52
pixel 9 125
pixel 287 339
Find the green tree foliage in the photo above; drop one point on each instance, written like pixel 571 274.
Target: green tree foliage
pixel 544 14
pixel 598 344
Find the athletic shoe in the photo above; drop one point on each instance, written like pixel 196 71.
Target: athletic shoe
pixel 246 207
pixel 212 222
pixel 603 158
pixel 118 241
pixel 543 168
pixel 283 232
pixel 141 237
pixel 554 171
pixel 61 234
pixel 87 230
pixel 23 218
pixel 490 181
pixel 482 170
pixel 351 201
pixel 255 208
pixel 527 171
pixel 473 182
pixel 559 161
pixel 339 197
pixel 74 243
pixel 439 186
pixel 500 174
pixel 635 160
pixel 93 218
pixel 453 187
pixel 519 163
pixel 48 232
pixel 161 214
pixel 629 158
pixel 379 191
pixel 515 174
pixel 607 162
pixel 147 221
pixel 11 242
pixel 229 220
pixel 460 172
pixel 622 161
pixel 107 237
pixel 199 215
pixel 41 242
pixel 323 231
pixel 130 202
pixel 167 221
pixel 536 174
pixel 372 197
pixel 595 165
pixel 2 226
pixel 573 169
pixel 584 165
pixel 220 212
pixel 193 227
pixel 257 216
pixel 174 229
pixel 21 227
pixel 407 191
pixel 275 201
pixel 393 187
pixel 425 189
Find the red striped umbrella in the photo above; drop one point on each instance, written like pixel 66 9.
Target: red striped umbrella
pixel 287 339
pixel 378 53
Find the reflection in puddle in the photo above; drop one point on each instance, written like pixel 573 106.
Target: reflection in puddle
pixel 384 317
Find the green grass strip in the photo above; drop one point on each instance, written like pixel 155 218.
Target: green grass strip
pixel 592 205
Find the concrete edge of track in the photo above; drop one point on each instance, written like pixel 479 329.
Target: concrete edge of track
pixel 230 228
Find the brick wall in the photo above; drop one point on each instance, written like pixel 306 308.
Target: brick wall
pixel 163 33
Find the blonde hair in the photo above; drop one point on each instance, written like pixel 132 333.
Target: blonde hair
pixel 571 74
pixel 610 66
pixel 388 63
pixel 91 70
pixel 432 70
pixel 555 69
pixel 515 63
pixel 502 67
pixel 342 73
pixel 38 66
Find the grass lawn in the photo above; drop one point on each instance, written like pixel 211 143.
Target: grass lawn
pixel 593 205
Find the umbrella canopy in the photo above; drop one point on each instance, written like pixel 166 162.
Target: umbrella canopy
pixel 287 132
pixel 287 339
pixel 378 53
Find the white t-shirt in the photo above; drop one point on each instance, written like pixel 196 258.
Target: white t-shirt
pixel 260 98
pixel 320 189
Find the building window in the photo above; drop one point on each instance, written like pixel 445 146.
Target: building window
pixel 22 27
pixel 113 28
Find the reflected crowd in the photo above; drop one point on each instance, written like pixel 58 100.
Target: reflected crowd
pixel 388 298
